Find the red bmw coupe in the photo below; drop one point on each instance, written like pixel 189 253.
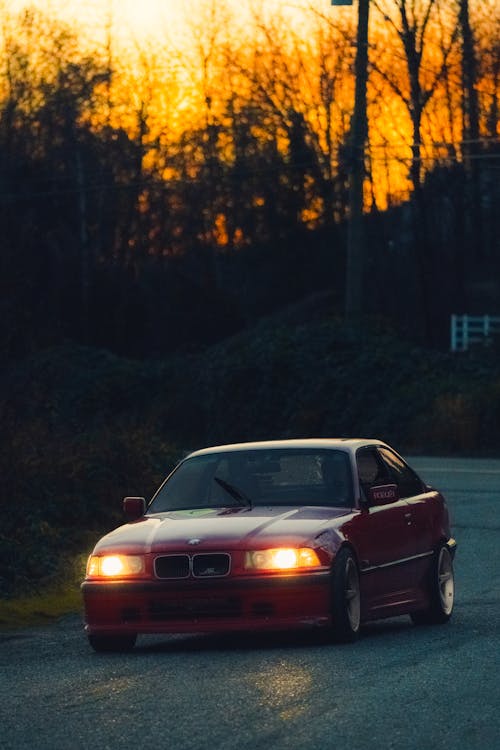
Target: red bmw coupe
pixel 326 533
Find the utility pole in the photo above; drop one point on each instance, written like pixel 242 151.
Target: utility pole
pixel 357 140
pixel 84 246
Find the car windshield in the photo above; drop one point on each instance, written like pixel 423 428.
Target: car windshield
pixel 258 477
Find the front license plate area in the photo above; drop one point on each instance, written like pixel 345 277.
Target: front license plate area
pixel 196 608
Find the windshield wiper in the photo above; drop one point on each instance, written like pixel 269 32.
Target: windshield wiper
pixel 235 492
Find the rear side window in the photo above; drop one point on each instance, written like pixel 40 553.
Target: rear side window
pixel 400 473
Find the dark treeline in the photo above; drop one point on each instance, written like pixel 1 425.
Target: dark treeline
pixel 235 218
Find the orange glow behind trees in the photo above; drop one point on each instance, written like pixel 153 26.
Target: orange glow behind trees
pixel 180 68
pixel 199 172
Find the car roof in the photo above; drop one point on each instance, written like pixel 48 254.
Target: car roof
pixel 349 445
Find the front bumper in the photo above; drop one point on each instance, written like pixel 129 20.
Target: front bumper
pixel 225 604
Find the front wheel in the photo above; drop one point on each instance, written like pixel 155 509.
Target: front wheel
pixel 110 642
pixel 441 591
pixel 346 607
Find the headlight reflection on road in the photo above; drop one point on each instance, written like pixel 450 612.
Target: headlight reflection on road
pixel 285 687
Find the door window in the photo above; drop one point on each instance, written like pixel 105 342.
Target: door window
pixel 372 470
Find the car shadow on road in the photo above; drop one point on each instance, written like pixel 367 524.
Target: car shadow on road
pixel 258 641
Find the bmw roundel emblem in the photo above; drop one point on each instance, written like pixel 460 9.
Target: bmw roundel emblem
pixel 194 541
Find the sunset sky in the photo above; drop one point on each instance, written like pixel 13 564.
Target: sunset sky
pixel 139 18
pixel 165 54
pixel 136 18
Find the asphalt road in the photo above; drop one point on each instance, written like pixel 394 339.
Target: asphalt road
pixel 399 686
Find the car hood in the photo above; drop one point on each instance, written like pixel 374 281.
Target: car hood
pixel 230 528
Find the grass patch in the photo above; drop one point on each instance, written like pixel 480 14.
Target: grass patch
pixel 61 597
pixel 39 608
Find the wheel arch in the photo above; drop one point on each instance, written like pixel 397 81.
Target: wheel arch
pixel 346 544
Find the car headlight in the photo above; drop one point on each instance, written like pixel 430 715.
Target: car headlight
pixel 282 558
pixel 115 566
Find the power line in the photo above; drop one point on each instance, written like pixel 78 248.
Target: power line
pixel 485 141
pixel 159 185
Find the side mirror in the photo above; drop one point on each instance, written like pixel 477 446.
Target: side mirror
pixel 134 507
pixel 383 494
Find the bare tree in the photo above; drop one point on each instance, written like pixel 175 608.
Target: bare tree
pixel 414 69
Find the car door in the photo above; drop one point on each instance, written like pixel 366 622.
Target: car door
pixel 420 500
pixel 385 541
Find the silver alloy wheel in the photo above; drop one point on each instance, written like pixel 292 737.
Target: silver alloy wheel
pixel 446 584
pixel 352 595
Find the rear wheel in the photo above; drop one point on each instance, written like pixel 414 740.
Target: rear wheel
pixel 441 591
pixel 110 642
pixel 346 597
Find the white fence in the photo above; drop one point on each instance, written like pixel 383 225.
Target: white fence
pixel 472 329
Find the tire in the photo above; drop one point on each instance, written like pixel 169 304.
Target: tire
pixel 441 591
pixel 346 604
pixel 109 643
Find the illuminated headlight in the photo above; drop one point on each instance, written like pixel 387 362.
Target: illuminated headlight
pixel 282 558
pixel 115 566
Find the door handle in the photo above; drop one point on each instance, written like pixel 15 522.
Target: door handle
pixel 408 519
